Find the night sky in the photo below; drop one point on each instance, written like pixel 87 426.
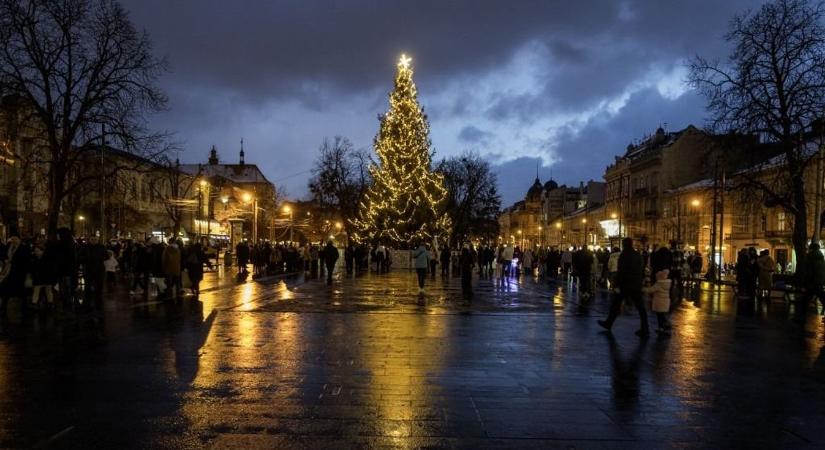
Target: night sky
pixel 567 84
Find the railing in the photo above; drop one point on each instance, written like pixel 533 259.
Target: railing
pixel 778 233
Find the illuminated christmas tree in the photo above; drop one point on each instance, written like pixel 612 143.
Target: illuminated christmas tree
pixel 406 199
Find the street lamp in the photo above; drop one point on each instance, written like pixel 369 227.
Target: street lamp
pixel 288 210
pixel 696 203
pixel 247 197
pixel 83 223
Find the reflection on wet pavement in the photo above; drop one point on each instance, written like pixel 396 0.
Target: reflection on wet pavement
pixel 367 362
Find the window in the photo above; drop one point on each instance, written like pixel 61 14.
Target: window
pixel 780 221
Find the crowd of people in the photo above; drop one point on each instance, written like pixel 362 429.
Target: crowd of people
pixel 71 273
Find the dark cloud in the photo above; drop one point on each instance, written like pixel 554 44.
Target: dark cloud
pixel 511 78
pixel 472 135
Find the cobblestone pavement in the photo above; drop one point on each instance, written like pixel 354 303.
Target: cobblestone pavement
pixel 368 363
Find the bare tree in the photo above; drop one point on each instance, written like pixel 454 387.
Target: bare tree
pixel 85 76
pixel 173 188
pixel 340 178
pixel 772 85
pixel 473 201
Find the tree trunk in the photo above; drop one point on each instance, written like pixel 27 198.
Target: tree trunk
pixel 800 225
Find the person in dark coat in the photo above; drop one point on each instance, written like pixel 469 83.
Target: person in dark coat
pixel 445 261
pixel 242 252
pixel 813 281
pixel 94 272
pixel 583 265
pixel 349 258
pixel 16 260
pixel 195 258
pixel 466 264
pixel 744 274
pixel 67 264
pixel 629 280
pixel 329 255
pixel 141 263
pixel 44 272
pixel 660 259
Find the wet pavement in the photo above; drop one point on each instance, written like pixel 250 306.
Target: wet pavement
pixel 368 363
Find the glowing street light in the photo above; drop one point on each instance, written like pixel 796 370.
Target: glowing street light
pixel 695 202
pixel 288 210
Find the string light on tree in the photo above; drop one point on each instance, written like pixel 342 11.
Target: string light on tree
pixel 406 200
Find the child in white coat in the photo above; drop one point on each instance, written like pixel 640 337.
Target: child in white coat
pixel 660 299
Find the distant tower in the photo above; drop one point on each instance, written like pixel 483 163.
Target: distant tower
pixel 213 156
pixel 242 163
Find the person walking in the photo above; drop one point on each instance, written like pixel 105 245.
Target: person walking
pixel 111 266
pixel 13 275
pixel 583 267
pixel 566 262
pixel 767 267
pixel 813 279
pixel 527 262
pixel 660 300
pixel 195 258
pixel 349 257
pixel 44 274
pixel 242 254
pixel 141 264
pixel 445 261
pixel 613 266
pixel 329 255
pixel 507 254
pixel 422 263
pixel 172 268
pixel 66 261
pixel 466 263
pixel 629 280
pixel 94 271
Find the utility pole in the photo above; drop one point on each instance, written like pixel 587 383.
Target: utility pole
pixel 102 188
pixel 818 211
pixel 712 270
pixel 255 220
pixel 721 225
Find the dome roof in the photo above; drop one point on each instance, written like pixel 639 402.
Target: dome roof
pixel 550 185
pixel 534 193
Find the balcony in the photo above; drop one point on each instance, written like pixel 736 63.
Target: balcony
pixel 776 234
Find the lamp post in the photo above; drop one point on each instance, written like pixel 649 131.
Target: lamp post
pixel 584 221
pixel 205 186
pixel 82 224
pixel 696 204
pixel 288 210
pixel 558 231
pixel 247 197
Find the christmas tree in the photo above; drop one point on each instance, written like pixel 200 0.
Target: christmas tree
pixel 406 200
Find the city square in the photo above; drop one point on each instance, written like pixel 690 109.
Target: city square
pixel 435 225
pixel 367 363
